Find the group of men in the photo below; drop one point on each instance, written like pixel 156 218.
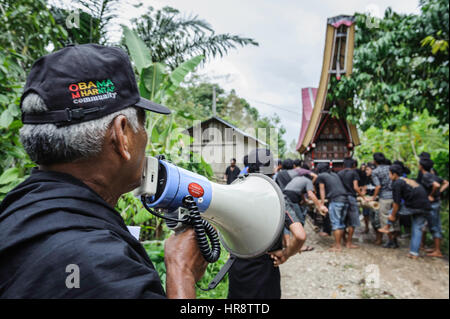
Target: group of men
pixel 414 204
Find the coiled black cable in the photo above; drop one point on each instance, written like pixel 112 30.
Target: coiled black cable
pixel 203 229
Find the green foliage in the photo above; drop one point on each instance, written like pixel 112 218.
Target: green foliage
pixel 27 29
pixel 445 227
pixel 155 251
pixel 174 39
pixel 399 63
pixel 221 291
pixel 157 83
pixel 407 141
pixel 94 16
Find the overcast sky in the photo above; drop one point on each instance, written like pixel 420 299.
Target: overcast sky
pixel 291 36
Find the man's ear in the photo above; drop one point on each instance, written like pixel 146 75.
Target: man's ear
pixel 120 139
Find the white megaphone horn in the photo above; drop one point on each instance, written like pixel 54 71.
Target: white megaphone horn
pixel 249 213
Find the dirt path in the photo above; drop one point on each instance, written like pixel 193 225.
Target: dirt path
pixel 367 272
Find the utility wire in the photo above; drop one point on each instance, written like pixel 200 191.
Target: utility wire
pixel 275 106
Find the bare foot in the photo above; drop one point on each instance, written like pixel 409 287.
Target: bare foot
pixel 429 250
pixel 384 230
pixel 323 234
pixel 351 246
pixel 412 256
pixel 435 254
pixel 335 249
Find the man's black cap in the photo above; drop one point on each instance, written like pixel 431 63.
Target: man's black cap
pixel 84 82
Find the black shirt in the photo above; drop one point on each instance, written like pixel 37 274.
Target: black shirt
pixel 370 187
pixel 414 194
pixel 334 188
pixel 348 176
pixel 53 220
pixel 420 175
pixel 256 278
pixel 232 174
pixel 283 178
pixel 363 178
pixel 427 182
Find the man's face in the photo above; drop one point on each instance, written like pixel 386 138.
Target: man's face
pixel 393 176
pixel 233 163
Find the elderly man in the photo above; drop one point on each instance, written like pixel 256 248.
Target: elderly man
pixel 60 236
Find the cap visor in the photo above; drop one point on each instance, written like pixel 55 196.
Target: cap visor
pixel 152 106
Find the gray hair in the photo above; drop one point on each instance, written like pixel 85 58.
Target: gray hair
pixel 48 143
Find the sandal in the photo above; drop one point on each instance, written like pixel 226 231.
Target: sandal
pixel 307 248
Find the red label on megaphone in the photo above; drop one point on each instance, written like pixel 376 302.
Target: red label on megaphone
pixel 195 190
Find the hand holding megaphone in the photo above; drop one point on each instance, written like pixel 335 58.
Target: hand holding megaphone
pixel 183 258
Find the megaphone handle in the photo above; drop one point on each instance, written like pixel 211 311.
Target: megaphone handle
pixel 222 272
pixel 203 229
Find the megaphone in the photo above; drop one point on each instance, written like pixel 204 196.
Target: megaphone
pixel 248 214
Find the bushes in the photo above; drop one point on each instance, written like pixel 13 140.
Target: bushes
pixel 445 230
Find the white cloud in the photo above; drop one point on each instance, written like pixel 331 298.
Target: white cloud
pixel 291 35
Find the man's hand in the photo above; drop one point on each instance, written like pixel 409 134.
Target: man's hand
pixel 185 264
pixel 279 257
pixel 324 209
pixel 391 218
pixel 431 198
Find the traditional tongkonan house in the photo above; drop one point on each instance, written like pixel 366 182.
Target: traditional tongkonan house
pixel 324 138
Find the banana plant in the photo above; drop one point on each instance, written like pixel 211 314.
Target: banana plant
pixel 156 82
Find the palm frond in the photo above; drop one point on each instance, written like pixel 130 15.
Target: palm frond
pixel 173 38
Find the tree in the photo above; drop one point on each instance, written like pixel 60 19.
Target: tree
pixel 173 38
pixel 407 141
pixel 194 101
pixel 395 68
pixel 27 29
pixel 92 20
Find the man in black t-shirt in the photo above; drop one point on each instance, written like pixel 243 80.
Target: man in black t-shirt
pixel 259 278
pixel 434 185
pixel 350 178
pixel 424 155
pixel 331 187
pixel 416 204
pixel 232 172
